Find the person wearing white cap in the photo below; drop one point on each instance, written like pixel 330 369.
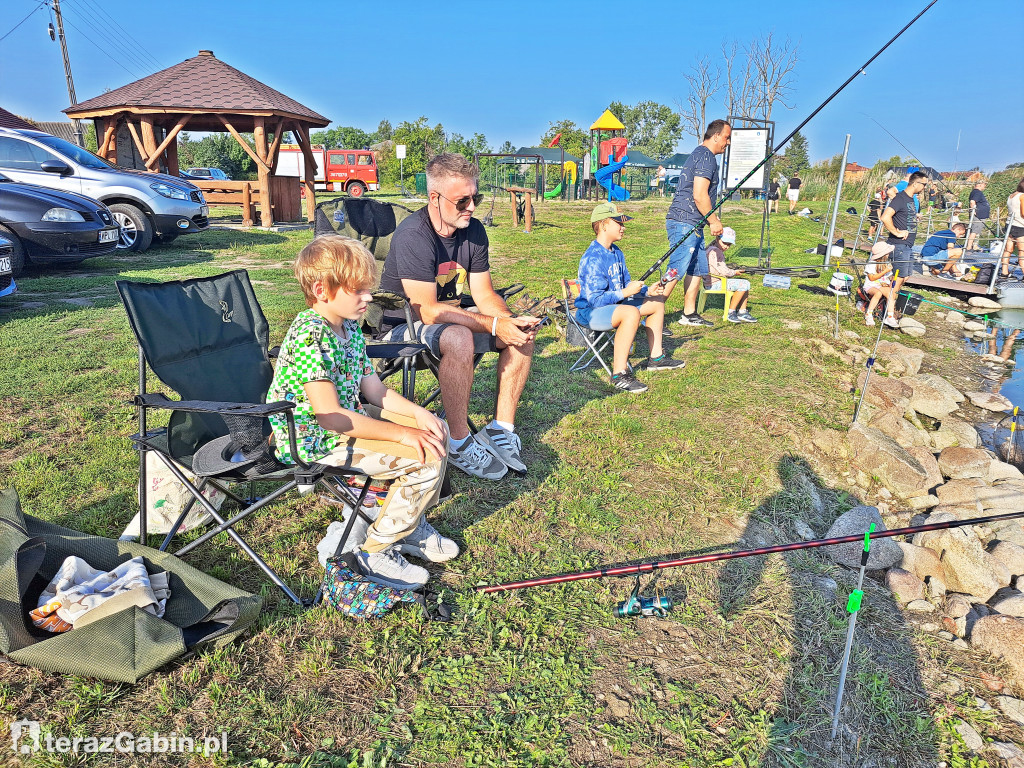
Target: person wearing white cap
pixel 718 271
pixel 878 280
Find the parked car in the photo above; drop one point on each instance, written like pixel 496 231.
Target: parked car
pixel 208 174
pixel 144 204
pixel 7 284
pixel 48 225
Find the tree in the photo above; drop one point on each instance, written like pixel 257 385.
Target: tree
pixel 384 131
pixel 704 82
pixel 740 81
pixel 796 157
pixel 774 64
pixel 575 140
pixel 651 128
pixel 217 150
pixel 343 137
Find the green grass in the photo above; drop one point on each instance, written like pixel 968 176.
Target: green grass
pixel 743 672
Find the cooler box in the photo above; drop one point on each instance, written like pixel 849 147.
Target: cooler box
pixel 776 281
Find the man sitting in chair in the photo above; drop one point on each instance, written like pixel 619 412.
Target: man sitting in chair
pixel 435 255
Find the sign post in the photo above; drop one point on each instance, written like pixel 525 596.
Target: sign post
pixel 400 154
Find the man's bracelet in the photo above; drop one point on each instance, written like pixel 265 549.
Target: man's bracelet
pixel 494 326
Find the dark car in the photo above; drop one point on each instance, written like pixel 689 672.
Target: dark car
pixel 49 226
pixel 7 285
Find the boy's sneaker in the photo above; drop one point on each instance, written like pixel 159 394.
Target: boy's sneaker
pixel 474 459
pixel 391 569
pixel 869 320
pixel 746 317
pixel 426 543
pixel 664 363
pixel 734 317
pixel 891 322
pixel 694 319
pixel 504 444
pixel 628 383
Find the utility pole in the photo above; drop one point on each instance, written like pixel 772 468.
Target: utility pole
pixel 67 71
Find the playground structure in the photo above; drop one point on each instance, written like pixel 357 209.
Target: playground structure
pixel 606 157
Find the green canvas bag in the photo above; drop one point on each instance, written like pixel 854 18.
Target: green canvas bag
pixel 125 646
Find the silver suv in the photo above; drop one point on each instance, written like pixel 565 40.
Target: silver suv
pixel 143 204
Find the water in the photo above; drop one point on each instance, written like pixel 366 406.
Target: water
pixel 1008 327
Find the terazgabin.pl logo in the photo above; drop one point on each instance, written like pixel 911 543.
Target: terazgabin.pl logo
pixel 27 737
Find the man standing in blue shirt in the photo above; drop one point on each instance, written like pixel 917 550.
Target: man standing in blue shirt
pixel 900 220
pixel 698 185
pixel 940 252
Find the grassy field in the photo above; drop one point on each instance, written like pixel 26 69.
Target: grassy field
pixel 742 673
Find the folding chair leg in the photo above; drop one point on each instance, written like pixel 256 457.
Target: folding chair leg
pixel 593 352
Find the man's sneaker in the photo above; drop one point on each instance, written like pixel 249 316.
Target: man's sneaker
pixel 891 322
pixel 694 319
pixel 391 569
pixel 426 543
pixel 734 317
pixel 746 317
pixel 474 459
pixel 664 363
pixel 504 444
pixel 628 383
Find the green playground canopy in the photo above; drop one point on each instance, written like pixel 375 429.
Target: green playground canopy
pixel 675 161
pixel 638 159
pixel 551 155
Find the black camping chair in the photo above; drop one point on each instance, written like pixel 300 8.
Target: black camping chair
pixel 207 339
pixel 373 223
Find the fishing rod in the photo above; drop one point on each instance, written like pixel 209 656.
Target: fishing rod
pixel 860 70
pixel 658 565
pixel 871 358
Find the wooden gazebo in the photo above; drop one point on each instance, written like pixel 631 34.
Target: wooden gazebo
pixel 143 119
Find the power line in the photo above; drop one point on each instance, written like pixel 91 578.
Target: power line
pixel 105 36
pixel 30 13
pixel 100 48
pixel 149 61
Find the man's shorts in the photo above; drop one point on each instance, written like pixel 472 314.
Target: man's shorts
pixel 903 258
pixel 793 194
pixel 430 335
pixel 690 258
pixel 978 226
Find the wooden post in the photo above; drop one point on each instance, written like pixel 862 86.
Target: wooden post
pixel 138 141
pixel 169 139
pixel 172 158
pixel 149 142
pixel 529 211
pixel 515 210
pixel 310 174
pixel 259 134
pixel 247 208
pixel 275 146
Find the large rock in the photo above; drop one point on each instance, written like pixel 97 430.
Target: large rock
pixel 921 561
pixel 1009 554
pixel 981 302
pixel 1000 470
pixel 990 401
pixel 927 460
pixel 968 567
pixel 1011 755
pixel 932 395
pixel 1002 636
pixel 958 462
pixel 957 430
pixel 972 325
pixel 1009 604
pixel 878 454
pixel 900 360
pixel 963 491
pixel 959 511
pixel 912 327
pixel 1002 498
pixel 1009 530
pixel 885 393
pixel 905 586
pixel 1012 708
pixel 956 606
pixel 899 429
pixel 884 553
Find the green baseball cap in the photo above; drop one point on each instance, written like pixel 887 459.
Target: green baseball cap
pixel 608 211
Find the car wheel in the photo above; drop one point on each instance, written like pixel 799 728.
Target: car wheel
pixel 136 231
pixel 356 189
pixel 18 255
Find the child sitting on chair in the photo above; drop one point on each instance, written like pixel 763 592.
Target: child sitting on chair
pixel 718 271
pixel 609 297
pixel 878 283
pixel 323 368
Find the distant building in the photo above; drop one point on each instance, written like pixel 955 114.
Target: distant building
pixel 11 120
pixel 855 172
pixel 967 177
pixel 899 172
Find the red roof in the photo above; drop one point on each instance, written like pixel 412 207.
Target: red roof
pixel 854 168
pixel 203 83
pixel 11 120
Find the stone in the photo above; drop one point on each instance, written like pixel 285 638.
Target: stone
pixel 956 606
pixel 1003 637
pixel 922 502
pixel 965 433
pixel 931 395
pixel 1009 554
pixel 830 442
pixel 968 567
pixel 936 587
pixel 942 439
pixel 1011 531
pixel 879 455
pixel 954 317
pixel 944 635
pixel 905 586
pixel 928 626
pixel 1012 708
pixel 893 424
pixel 928 462
pixel 803 530
pixel 972 739
pixel 959 511
pixel 973 325
pixel 920 561
pixel 959 462
pixel 825 586
pixel 982 303
pixel 1010 754
pixel 1011 604
pixel 884 552
pixel 886 393
pixel 962 491
pixel 912 327
pixel 920 606
pixel 1000 470
pixel 900 359
pixel 825 348
pixel 1002 498
pixel 990 401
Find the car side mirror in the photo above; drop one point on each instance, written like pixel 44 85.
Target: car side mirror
pixel 55 166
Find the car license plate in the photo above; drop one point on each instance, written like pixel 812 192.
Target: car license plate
pixel 5 264
pixel 108 235
pixel 204 210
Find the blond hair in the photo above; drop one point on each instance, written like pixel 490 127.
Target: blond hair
pixel 449 165
pixel 337 262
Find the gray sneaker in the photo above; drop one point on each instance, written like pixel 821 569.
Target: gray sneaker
pixel 474 459
pixel 628 383
pixel 391 569
pixel 427 544
pixel 505 445
pixel 746 317
pixel 734 317
pixel 694 319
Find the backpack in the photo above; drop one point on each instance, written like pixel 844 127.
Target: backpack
pixel 345 589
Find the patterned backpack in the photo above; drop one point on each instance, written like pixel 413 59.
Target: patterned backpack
pixel 347 590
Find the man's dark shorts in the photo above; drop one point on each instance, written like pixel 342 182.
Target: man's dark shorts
pixel 903 259
pixel 430 335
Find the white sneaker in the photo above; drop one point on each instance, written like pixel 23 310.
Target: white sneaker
pixel 474 459
pixel 891 322
pixel 503 444
pixel 426 543
pixel 391 569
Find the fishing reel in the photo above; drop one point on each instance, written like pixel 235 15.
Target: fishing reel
pixel 642 605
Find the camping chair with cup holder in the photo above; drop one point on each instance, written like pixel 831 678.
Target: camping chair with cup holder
pixel 594 338
pixel 208 340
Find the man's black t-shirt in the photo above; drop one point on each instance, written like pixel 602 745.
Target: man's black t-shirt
pixel 795 182
pixel 418 253
pixel 982 208
pixel 904 217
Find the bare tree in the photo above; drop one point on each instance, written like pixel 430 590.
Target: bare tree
pixel 740 80
pixel 774 64
pixel 704 81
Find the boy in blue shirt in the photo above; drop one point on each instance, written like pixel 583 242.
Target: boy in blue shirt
pixel 609 297
pixel 323 368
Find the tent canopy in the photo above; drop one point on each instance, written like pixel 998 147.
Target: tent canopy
pixel 551 155
pixel 638 159
pixel 675 161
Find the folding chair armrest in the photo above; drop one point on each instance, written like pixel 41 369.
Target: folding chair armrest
pixel 466 301
pixel 391 350
pixel 158 400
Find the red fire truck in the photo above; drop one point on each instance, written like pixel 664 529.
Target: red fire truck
pixel 348 170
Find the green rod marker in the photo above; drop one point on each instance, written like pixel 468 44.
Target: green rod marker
pixel 852 606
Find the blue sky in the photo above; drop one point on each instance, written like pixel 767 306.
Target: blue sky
pixel 508 69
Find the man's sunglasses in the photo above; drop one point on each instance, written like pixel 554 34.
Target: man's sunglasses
pixel 463 202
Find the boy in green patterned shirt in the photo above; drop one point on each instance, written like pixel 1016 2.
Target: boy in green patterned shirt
pixel 323 368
